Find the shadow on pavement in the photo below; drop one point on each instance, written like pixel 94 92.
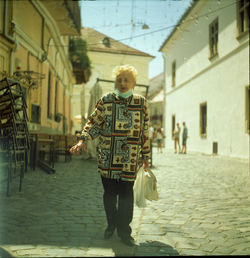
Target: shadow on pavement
pixel 64 211
pixel 83 243
pixel 148 248
pixel 155 248
pixel 5 254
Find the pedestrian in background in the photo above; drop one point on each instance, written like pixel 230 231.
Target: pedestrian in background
pixel 120 121
pixel 184 138
pixel 177 138
pixel 159 139
pixel 151 134
pixel 151 138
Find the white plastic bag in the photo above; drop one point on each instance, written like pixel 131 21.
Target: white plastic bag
pixel 139 198
pixel 150 186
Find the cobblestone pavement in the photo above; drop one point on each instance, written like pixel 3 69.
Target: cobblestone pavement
pixel 204 209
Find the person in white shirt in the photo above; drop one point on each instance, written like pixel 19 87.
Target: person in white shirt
pixel 177 138
pixel 159 139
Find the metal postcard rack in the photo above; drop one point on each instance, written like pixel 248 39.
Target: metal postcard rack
pixel 14 135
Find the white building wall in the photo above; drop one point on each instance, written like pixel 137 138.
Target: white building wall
pixel 220 82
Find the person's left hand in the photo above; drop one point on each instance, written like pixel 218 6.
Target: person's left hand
pixel 145 164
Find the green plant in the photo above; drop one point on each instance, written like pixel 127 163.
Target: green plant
pixel 78 54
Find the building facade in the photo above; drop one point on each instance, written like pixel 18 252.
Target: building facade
pixel 34 41
pixel 207 77
pixel 156 100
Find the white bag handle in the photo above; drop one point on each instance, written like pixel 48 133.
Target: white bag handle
pixel 151 173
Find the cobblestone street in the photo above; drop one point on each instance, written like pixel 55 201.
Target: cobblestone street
pixel 203 209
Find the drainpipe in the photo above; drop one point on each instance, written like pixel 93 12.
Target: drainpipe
pixel 11 62
pixel 164 96
pixel 10 38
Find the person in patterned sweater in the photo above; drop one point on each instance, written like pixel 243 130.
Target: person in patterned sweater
pixel 121 123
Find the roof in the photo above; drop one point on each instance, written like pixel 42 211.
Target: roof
pixel 159 97
pixel 192 4
pixel 95 42
pixel 156 84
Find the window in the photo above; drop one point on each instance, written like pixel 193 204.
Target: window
pixel 106 42
pixel 173 125
pixel 56 98
pixel 65 128
pixel 213 38
pixel 243 16
pixel 173 73
pixel 247 112
pixel 9 25
pixel 49 115
pixel 35 114
pixel 203 119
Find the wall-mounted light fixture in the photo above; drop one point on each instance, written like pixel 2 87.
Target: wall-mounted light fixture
pixel 44 57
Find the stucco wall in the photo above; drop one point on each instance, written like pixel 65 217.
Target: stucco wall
pixel 220 83
pixel 4 58
pixel 1 15
pixel 32 24
pixel 5 45
pixel 30 50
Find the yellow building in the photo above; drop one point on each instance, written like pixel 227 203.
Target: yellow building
pixel 34 42
pixel 6 39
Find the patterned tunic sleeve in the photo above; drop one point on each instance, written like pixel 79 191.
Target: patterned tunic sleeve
pixel 145 134
pixel 91 129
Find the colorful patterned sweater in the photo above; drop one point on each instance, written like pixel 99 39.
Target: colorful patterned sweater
pixel 122 127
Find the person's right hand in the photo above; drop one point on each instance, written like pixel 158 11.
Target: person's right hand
pixel 76 148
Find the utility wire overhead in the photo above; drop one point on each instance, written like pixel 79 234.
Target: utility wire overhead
pixel 172 26
pixel 164 28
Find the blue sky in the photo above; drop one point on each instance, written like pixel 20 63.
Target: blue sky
pixel 123 20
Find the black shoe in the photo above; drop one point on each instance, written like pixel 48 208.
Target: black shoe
pixel 108 233
pixel 128 241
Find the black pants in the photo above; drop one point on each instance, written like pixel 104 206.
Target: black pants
pixel 118 217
